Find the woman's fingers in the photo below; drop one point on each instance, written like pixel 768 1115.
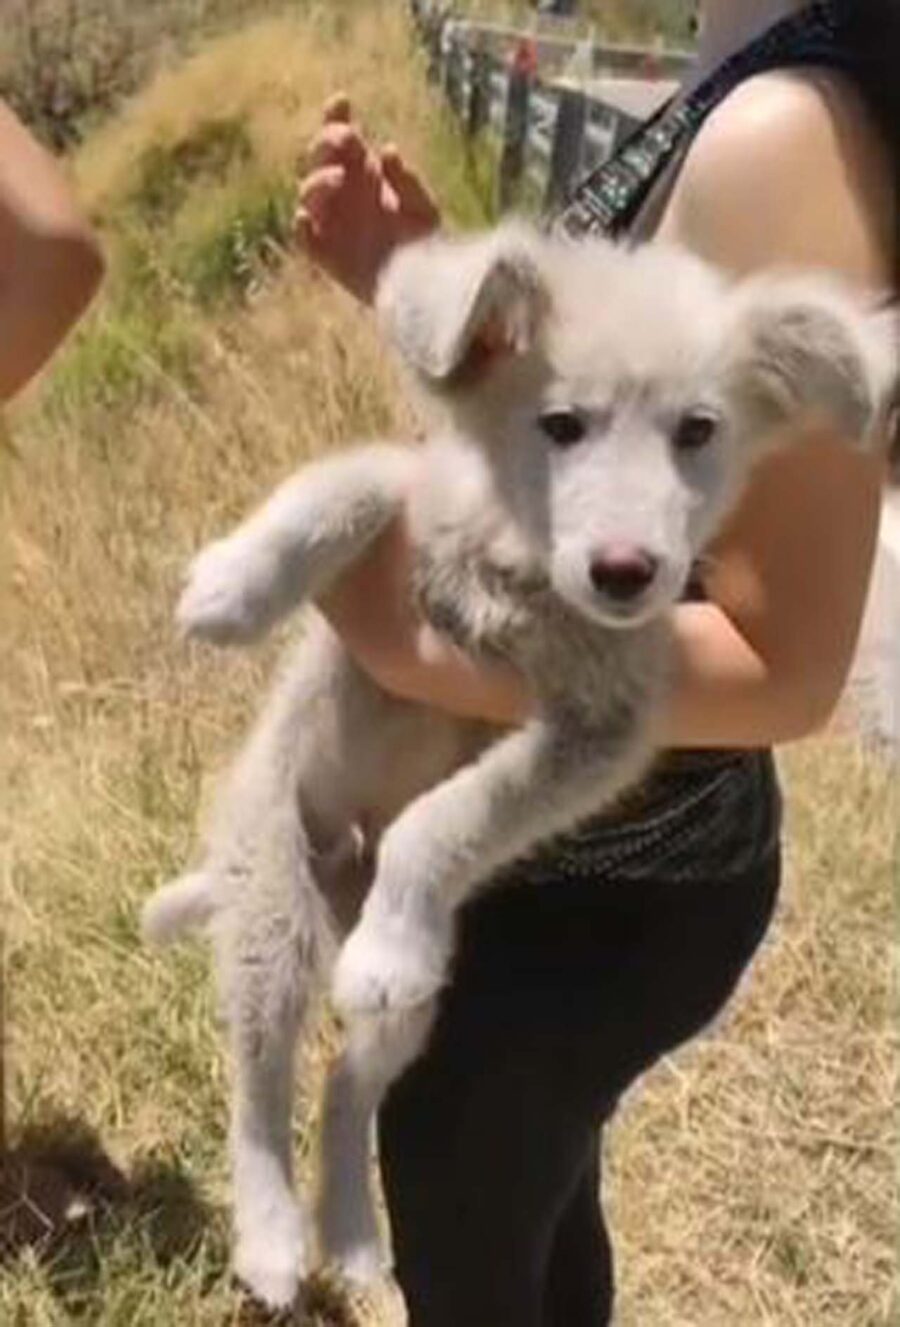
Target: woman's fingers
pixel 338 140
pixel 412 196
pixel 306 234
pixel 318 191
pixel 338 144
pixel 355 204
pixel 337 109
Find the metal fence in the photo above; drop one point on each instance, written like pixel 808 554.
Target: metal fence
pixel 520 86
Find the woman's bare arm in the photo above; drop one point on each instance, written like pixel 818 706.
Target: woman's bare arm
pixel 50 263
pixel 768 659
pixel 765 661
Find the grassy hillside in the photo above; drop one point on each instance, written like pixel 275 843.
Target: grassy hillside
pixel 66 63
pixel 753 1180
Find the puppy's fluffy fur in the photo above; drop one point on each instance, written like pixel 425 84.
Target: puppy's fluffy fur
pixel 595 414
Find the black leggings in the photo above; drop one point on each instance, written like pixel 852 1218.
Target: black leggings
pixel 564 992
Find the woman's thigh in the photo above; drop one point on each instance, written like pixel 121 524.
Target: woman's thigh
pixel 479 1162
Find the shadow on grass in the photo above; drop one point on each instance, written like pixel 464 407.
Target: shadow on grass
pixel 66 1202
pixel 62 1198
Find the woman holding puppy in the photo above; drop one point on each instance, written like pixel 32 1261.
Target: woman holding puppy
pixel 625 940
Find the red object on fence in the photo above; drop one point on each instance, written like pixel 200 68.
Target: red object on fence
pixel 525 57
pixel 652 64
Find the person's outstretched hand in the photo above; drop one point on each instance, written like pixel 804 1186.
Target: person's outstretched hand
pixel 357 204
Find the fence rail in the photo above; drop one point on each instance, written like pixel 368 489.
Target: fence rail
pixel 599 58
pixel 551 130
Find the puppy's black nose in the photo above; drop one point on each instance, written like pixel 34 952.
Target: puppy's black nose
pixel 622 571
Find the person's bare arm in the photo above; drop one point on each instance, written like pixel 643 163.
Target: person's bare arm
pixel 766 660
pixel 50 263
pixel 790 172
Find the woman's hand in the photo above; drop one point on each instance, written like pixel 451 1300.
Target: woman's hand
pixel 358 204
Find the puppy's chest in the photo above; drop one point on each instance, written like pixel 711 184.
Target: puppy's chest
pixel 481 606
pixel 500 612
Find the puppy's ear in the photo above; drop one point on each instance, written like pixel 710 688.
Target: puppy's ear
pixel 455 305
pixel 809 345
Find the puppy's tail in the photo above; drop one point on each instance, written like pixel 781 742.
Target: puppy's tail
pixel 184 905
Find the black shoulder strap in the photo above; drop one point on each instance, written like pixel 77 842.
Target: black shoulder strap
pixel 610 198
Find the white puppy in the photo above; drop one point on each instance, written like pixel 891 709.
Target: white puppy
pixel 595 414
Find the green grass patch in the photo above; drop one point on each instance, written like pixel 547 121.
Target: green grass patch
pixel 225 239
pixel 166 172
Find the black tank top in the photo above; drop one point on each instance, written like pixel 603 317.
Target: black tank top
pixel 610 199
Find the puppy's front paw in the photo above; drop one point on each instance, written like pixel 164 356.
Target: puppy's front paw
pixel 228 595
pixel 390 966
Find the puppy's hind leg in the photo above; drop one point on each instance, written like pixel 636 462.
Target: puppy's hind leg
pixel 378 1051
pixel 268 965
pixel 271 1240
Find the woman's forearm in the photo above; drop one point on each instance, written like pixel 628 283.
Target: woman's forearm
pixel 724 694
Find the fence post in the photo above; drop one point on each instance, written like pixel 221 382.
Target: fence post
pixel 448 56
pixel 568 143
pixel 455 75
pixel 515 136
pixel 434 39
pixel 478 108
pixel 448 59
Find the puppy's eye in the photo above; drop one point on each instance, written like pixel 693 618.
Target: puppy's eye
pixel 694 430
pixel 563 427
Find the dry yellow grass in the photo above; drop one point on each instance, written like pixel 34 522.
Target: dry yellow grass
pixel 754 1176
pixel 752 1179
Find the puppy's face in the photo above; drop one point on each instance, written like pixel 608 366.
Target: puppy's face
pixel 618 448
pixel 619 493
pixel 614 403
